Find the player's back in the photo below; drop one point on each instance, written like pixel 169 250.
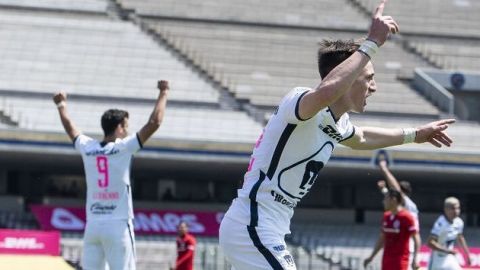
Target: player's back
pixel 107 171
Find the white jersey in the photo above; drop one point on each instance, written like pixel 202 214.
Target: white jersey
pixel 446 234
pixel 285 163
pixel 107 170
pixel 411 207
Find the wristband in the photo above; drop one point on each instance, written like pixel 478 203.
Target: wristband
pixel 369 48
pixel 61 104
pixel 384 190
pixel 409 135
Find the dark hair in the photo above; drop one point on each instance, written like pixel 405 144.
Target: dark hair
pixel 396 195
pixel 333 52
pixel 406 188
pixel 111 119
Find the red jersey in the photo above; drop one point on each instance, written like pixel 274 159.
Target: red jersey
pixel 397 230
pixel 185 249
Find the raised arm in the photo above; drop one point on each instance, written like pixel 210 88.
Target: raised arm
pixel 341 78
pixel 156 117
pixel 60 99
pixel 368 138
pixel 392 182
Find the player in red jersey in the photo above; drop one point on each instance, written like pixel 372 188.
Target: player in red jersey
pixel 397 228
pixel 185 247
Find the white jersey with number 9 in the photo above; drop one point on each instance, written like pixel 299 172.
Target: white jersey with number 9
pixel 107 170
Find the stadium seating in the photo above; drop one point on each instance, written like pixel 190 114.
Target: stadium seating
pixel 261 64
pixel 196 124
pixel 90 55
pixel 449 53
pixel 323 13
pixel 94 6
pixel 433 17
pixel 17 220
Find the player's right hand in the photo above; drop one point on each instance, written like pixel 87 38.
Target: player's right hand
pixel 381 26
pixel 59 97
pixel 163 85
pixel 366 262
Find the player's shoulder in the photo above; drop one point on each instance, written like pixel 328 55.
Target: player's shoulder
pixel 192 238
pixel 294 93
pixel 83 139
pixel 458 221
pixel 441 221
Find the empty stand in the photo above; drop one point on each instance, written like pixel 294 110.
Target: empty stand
pixel 433 17
pixel 449 53
pixel 96 6
pixel 90 55
pixel 196 124
pixel 322 13
pixel 261 64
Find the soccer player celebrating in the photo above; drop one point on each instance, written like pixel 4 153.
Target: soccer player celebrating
pixel 298 141
pixel 398 227
pixel 445 232
pixel 404 188
pixel 109 233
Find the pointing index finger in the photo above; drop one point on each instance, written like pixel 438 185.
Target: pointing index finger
pixel 379 11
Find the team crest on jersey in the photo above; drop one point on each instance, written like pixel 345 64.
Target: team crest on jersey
pixel 331 132
pixel 296 180
pixel 289 260
pixel 396 224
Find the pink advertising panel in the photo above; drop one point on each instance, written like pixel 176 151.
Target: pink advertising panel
pixel 29 242
pixel 146 221
pixel 425 252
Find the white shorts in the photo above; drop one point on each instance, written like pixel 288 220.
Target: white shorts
pixel 253 248
pixel 111 242
pixel 444 262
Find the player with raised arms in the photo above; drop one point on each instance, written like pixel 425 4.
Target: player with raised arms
pixel 299 139
pixel 109 236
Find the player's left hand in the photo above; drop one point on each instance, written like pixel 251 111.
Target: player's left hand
pixel 434 133
pixel 163 86
pixel 469 259
pixel 381 184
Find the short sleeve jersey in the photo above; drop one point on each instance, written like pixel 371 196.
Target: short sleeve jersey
pixel 397 230
pixel 447 232
pixel 411 207
pixel 107 170
pixel 185 252
pixel 286 161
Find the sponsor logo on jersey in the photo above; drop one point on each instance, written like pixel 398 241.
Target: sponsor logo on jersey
pixel 105 152
pixel 331 132
pixel 98 208
pixel 279 248
pixel 281 199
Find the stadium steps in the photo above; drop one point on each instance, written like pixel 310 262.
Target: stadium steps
pixel 226 100
pixel 90 55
